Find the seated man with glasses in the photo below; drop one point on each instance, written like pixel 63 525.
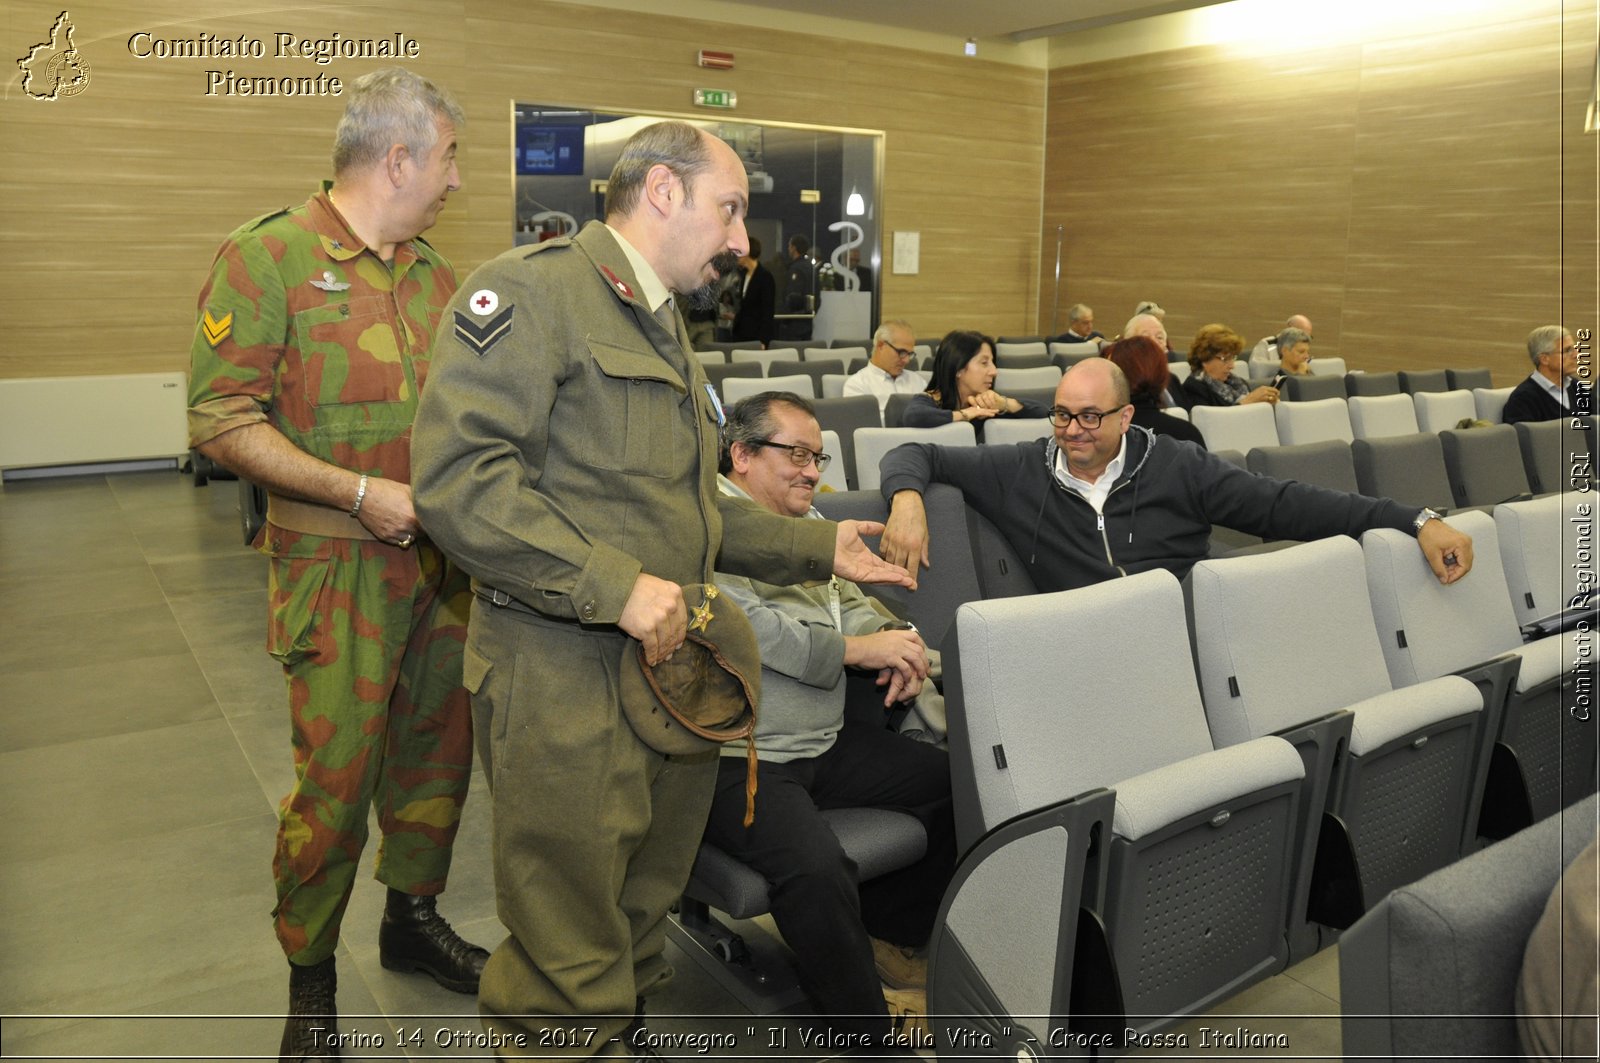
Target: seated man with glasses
pixel 846 935
pixel 1103 498
pixel 888 372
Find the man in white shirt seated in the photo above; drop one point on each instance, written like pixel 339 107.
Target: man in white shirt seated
pixel 886 373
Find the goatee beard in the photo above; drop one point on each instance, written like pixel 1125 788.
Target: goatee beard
pixel 704 297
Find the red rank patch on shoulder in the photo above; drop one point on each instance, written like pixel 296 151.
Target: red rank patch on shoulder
pixel 617 282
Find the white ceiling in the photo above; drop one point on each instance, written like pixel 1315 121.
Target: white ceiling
pixel 1018 20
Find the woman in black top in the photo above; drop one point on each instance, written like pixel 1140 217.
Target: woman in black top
pixel 1144 363
pixel 963 387
pixel 1211 379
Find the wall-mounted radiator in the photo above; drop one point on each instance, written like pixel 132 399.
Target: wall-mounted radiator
pixel 81 420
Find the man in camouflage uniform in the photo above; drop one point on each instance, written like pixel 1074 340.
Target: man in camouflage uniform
pixel 309 356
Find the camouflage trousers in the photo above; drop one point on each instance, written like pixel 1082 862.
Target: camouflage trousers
pixel 370 637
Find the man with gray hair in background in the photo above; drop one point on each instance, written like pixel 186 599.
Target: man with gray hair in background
pixel 1265 352
pixel 1558 386
pixel 887 372
pixel 313 342
pixel 1080 326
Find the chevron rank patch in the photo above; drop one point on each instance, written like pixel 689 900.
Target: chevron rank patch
pixel 217 330
pixel 480 336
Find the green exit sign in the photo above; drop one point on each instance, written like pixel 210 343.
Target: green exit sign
pixel 724 99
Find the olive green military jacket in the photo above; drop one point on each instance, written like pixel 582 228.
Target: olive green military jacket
pixel 567 441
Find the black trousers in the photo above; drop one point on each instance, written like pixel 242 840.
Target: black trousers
pixel 823 912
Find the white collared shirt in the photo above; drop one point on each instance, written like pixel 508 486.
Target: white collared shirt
pixel 875 381
pixel 652 292
pixel 1093 493
pixel 1555 391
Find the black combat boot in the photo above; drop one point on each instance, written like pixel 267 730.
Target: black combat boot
pixel 414 937
pixel 313 1015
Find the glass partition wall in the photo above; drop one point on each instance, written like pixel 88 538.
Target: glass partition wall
pixel 802 181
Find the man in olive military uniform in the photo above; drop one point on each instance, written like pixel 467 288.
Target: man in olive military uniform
pixel 566 456
pixel 309 356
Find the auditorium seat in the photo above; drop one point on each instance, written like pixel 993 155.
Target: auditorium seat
pixel 1485 465
pixel 952 578
pixel 836 351
pixel 1409 469
pixel 1372 416
pixel 1372 384
pixel 1311 422
pixel 717 374
pixel 844 415
pixel 894 410
pixel 1555 455
pixel 1438 410
pixel 1008 380
pixel 735 388
pixel 833 385
pixel 1413 381
pixel 1468 379
pixel 1490 403
pixel 1074 351
pixel 1332 365
pixel 877 840
pixel 1311 388
pixel 1540 539
pixel 816 370
pixel 1539 758
pixel 1431 972
pixel 1236 427
pixel 1004 351
pixel 1325 463
pixel 833 477
pixel 1198 858
pixel 1001 430
pixel 862 345
pixel 765 358
pixel 1017 360
pixel 1406 788
pixel 712 357
pixel 873 443
pixel 733 345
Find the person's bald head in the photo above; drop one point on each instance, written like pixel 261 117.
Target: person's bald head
pixel 1095 386
pixel 1299 321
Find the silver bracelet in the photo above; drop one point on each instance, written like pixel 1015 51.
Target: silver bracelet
pixel 361 496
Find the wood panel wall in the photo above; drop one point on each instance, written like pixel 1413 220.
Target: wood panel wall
pixel 112 202
pixel 1425 200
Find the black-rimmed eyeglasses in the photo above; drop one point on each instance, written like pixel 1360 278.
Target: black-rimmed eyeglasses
pixel 1089 419
pixel 901 351
pixel 800 456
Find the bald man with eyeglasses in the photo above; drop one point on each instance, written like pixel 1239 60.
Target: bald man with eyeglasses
pixel 1103 498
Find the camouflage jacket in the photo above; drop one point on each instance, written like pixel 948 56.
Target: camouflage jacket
pixel 302 327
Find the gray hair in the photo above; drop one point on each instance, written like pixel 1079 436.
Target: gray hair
pixel 1078 311
pixel 1544 340
pixel 1127 330
pixel 387 107
pixel 1291 336
pixel 1151 307
pixel 883 330
pixel 751 421
pixel 678 146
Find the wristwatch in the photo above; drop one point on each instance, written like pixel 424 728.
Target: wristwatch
pixel 1424 516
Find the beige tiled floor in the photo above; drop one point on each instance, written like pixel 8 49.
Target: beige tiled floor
pixel 143 747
